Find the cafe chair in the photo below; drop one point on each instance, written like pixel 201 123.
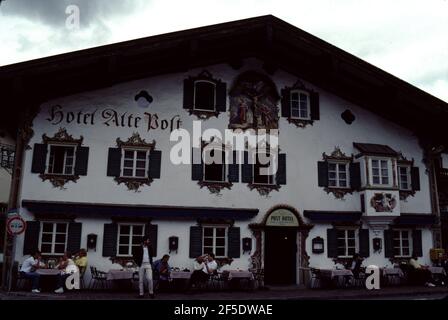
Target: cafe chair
pixel 22 282
pixel 315 279
pixel 98 280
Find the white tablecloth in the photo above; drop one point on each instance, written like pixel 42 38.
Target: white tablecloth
pixel 180 274
pixel 437 270
pixel 392 272
pixel 333 273
pixel 119 275
pixel 238 274
pixel 48 272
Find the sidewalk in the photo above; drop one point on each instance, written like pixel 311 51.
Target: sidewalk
pixel 274 293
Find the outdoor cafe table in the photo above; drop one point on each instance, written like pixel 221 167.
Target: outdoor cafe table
pixel 338 274
pixel 48 279
pixel 437 270
pixel 392 275
pixel 238 274
pixel 119 275
pixel 180 279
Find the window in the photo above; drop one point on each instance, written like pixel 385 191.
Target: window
pixel 214 172
pixel 402 243
pixel 7 156
pixel 380 172
pixel 53 239
pixel 61 160
pixel 300 104
pixel 404 177
pixel 204 95
pixel 338 174
pixel 346 242
pixel 135 163
pixel 214 241
pixel 261 168
pixel 129 237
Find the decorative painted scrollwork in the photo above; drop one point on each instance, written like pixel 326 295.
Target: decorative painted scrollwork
pixel 62 137
pixel 215 187
pixel 133 184
pixel 58 181
pixel 136 141
pixel 264 189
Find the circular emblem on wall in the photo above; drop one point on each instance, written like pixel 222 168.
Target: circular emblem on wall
pixel 143 99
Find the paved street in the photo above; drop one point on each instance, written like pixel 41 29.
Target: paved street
pixel 289 293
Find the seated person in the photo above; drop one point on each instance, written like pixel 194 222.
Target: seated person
pixel 356 265
pixel 28 270
pixel 67 267
pixel 225 265
pixel 204 266
pixel 81 260
pixel 162 271
pixel 419 273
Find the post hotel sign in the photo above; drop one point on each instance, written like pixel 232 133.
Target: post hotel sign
pixel 282 218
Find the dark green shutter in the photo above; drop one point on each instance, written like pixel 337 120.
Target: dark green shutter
pixel 247 169
pixel 234 168
pixel 417 248
pixel 31 241
pixel 74 237
pixel 188 94
pixel 151 231
pixel 39 158
pixel 355 175
pixel 364 243
pixel 233 241
pixel 281 171
pixel 114 162
pixel 322 173
pixel 110 240
pixel 155 162
pixel 315 114
pixel 195 242
pixel 415 178
pixel 82 160
pixel 197 171
pixel 286 103
pixel 221 96
pixel 388 244
pixel 332 243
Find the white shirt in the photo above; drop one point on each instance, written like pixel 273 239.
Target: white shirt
pixel 212 266
pixel 28 264
pixel 197 265
pixel 145 255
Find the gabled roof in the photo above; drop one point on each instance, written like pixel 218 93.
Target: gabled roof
pixel 277 43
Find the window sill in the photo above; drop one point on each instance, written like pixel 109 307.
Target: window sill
pixel 58 180
pixel 133 184
pixel 263 189
pixel 215 187
pixel 203 114
pixel 338 193
pixel 300 123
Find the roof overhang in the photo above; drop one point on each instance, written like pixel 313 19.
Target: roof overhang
pixel 95 210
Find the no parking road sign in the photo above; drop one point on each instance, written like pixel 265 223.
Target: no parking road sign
pixel 15 225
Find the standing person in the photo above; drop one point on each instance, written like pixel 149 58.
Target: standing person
pixel 28 270
pixel 143 258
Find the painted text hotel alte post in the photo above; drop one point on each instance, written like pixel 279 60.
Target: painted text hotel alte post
pixel 355 170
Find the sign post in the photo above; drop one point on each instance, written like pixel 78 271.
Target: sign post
pixel 15 225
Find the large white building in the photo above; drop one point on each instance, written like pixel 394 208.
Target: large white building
pixel 354 162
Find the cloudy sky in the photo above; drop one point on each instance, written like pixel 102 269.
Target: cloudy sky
pixel 408 38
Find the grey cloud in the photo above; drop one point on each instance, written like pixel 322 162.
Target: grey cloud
pixel 52 12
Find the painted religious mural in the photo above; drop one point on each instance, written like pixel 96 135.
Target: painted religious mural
pixel 253 102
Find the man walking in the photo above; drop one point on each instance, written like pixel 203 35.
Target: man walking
pixel 143 258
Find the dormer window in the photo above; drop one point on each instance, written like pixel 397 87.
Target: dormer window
pixel 204 96
pixel 300 104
